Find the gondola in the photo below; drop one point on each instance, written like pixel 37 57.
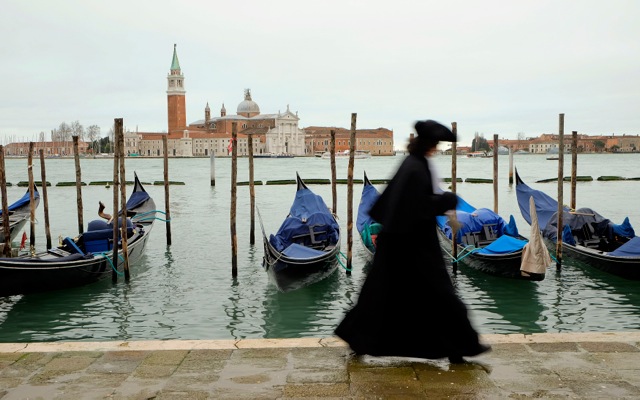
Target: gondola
pixel 487 242
pixel 84 259
pixel 367 227
pixel 306 247
pixel 586 235
pixel 19 214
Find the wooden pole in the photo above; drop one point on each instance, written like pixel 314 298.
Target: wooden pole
pixel 510 166
pixel 45 199
pixel 495 173
pixel 212 162
pixel 232 216
pixel 334 193
pixel 560 189
pixel 76 158
pixel 6 249
pixel 123 202
pixel 574 167
pixel 352 151
pixel 454 159
pixel 32 200
pixel 167 210
pixel 116 189
pixel 252 193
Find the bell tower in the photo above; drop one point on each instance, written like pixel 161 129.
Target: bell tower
pixel 176 109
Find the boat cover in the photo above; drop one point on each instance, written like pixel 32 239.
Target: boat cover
pixel 369 196
pixel 308 212
pixel 511 229
pixel 138 196
pixel 574 222
pixel 629 249
pixel 504 244
pixel 23 201
pixel 474 222
pixel 535 255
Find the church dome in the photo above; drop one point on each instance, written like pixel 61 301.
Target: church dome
pixel 248 106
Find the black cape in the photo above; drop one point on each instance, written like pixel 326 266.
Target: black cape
pixel 407 305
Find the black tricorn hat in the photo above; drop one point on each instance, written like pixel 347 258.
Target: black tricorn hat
pixel 432 130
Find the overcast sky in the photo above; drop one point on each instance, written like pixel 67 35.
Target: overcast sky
pixel 494 67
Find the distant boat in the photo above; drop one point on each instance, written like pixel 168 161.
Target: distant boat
pixel 273 155
pixel 478 154
pixel 360 154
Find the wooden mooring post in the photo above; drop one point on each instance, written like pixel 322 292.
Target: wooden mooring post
pixel 232 211
pixel 334 193
pixel 76 158
pixel 454 159
pixel 252 194
pixel 45 199
pixel 574 167
pixel 167 209
pixel 123 202
pixel 117 127
pixel 212 166
pixel 352 151
pixel 495 173
pixel 560 190
pixel 510 166
pixel 32 200
pixel 6 249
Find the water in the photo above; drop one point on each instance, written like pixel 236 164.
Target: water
pixel 186 290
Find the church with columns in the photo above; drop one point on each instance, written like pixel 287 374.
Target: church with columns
pixel 276 133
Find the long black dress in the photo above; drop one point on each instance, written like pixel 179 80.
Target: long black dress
pixel 407 305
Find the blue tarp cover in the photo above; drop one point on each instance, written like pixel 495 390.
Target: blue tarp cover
pixel 505 244
pixel 369 196
pixel 629 249
pixel 23 201
pixel 474 221
pixel 308 211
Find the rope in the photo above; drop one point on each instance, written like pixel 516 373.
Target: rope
pixel 345 257
pixel 471 251
pixel 115 269
pixel 151 219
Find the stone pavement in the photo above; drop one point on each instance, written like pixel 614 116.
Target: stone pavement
pixel 546 366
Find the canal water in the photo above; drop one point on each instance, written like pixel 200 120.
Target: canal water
pixel 186 290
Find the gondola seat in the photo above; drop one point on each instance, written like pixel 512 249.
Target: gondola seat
pixel 98 241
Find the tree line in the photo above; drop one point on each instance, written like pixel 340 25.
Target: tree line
pixel 91 134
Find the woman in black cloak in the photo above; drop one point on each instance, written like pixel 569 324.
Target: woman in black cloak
pixel 408 306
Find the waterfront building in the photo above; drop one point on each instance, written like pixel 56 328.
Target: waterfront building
pixel 49 149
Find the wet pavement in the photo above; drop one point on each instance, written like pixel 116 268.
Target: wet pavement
pixel 540 366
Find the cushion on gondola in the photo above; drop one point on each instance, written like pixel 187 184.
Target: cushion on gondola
pixel 98 241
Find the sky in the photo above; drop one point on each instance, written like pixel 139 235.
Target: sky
pixel 509 68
